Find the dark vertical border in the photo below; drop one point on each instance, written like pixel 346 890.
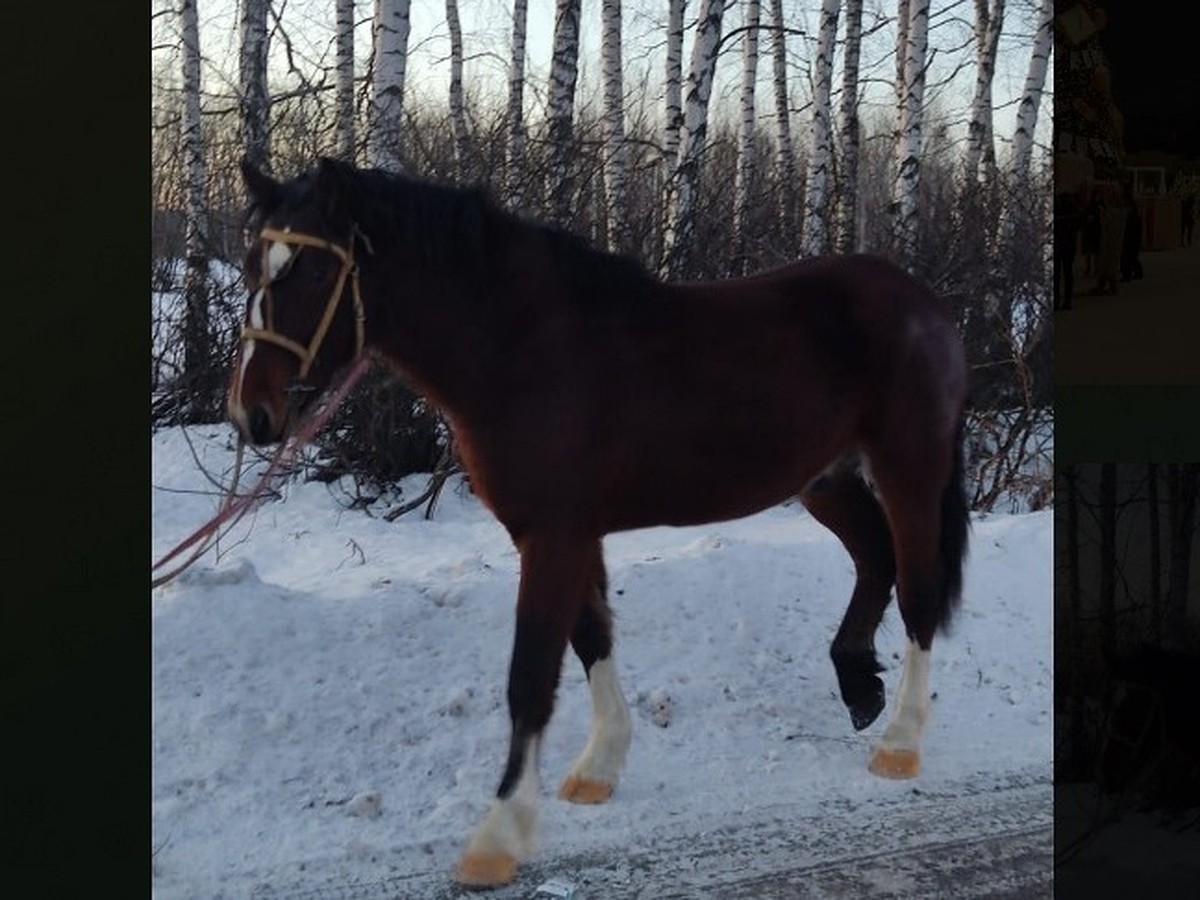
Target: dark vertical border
pixel 74 618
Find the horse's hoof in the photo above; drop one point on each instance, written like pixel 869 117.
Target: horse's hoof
pixel 486 870
pixel 584 790
pixel 888 763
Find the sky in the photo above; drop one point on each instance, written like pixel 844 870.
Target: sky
pixel 325 656
pixel 487 36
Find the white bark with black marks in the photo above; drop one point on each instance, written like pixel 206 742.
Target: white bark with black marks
pixel 458 114
pixel 252 82
pixel 980 160
pixel 674 84
pixel 1031 96
pixel 846 238
pixel 818 184
pixel 561 106
pixel 389 34
pixel 680 237
pixel 906 192
pixel 616 158
pixel 515 150
pixel 344 79
pixel 785 152
pixel 746 135
pixel 195 279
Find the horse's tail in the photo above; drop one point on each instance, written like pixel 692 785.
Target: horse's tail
pixel 952 542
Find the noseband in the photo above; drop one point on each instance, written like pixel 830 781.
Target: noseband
pixel 349 268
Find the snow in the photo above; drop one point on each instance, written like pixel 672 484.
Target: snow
pixel 328 691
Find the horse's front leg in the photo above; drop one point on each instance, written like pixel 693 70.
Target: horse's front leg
pixel 594 775
pixel 554 580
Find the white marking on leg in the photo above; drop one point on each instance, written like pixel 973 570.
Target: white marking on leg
pixel 509 826
pixel 608 744
pixel 912 703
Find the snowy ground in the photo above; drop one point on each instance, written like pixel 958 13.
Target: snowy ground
pixel 326 655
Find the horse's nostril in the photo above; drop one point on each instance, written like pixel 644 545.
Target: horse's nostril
pixel 260 426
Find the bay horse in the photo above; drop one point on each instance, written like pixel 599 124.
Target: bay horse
pixel 587 397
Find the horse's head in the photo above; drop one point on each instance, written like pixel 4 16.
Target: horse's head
pixel 304 316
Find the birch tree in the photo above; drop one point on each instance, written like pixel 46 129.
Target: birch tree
pixel 196 357
pixel 515 151
pixel 905 221
pixel 252 78
pixel 785 153
pixel 616 162
pixel 389 57
pixel 820 160
pixel 846 239
pixel 674 84
pixel 680 249
pixel 561 105
pixel 746 130
pixel 980 160
pixel 344 79
pixel 1031 96
pixel 458 115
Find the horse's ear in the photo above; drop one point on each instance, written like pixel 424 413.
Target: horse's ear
pixel 332 184
pixel 262 188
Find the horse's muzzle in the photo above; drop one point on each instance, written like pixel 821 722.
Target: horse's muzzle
pixel 261 430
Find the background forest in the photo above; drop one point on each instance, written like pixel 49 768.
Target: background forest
pixel 1127 635
pixel 707 139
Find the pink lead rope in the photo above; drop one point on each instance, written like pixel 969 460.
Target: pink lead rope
pixel 234 507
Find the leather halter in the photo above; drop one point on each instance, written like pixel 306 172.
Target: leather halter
pixel 309 353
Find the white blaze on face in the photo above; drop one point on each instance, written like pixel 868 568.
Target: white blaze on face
pixel 277 257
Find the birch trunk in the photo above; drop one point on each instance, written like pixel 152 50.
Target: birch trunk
pixel 674 84
pixel 561 106
pixel 1031 96
pixel 458 115
pixel 195 279
pixel 908 148
pixel 745 168
pixel 252 77
pixel 515 158
pixel 616 163
pixel 680 238
pixel 344 69
pixel 389 33
pixel 785 152
pixel 847 224
pixel 980 161
pixel 820 160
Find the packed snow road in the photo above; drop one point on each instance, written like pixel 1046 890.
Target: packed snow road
pixel 987 837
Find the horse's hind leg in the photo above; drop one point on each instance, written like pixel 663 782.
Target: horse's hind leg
pixel 922 495
pixel 594 775
pixel 555 575
pixel 841 501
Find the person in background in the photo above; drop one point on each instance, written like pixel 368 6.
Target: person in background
pixel 1131 244
pixel 1187 219
pixel 1112 234
pixel 1091 230
pixel 1068 209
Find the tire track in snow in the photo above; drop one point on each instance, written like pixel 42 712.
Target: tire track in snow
pixel 985 838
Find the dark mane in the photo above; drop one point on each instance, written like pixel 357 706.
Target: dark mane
pixel 464 229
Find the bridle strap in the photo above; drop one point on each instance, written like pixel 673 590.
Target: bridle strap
pixel 349 268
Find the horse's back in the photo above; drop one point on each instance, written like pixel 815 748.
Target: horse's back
pixel 727 397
